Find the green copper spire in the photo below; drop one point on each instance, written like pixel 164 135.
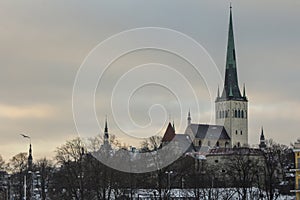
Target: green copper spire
pixel 231 86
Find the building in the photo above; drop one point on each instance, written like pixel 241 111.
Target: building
pixel 297 170
pixel 231 116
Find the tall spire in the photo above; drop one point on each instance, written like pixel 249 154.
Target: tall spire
pixel 231 78
pixel 189 119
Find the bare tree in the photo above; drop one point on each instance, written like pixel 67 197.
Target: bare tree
pixel 17 165
pixel 45 168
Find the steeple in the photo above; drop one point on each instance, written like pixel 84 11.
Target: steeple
pixel 30 158
pixel 189 119
pixel 231 87
pixel 262 143
pixel 174 126
pixel 106 136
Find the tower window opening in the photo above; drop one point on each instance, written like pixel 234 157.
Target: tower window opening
pixel 239 114
pixel 218 144
pixel 200 143
pixel 226 113
pixel 242 114
pixel 208 143
pixel 241 132
pixel 236 132
pixel 235 113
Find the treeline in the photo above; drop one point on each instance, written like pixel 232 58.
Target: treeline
pixel 75 173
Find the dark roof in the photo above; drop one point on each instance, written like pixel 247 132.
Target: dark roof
pixel 206 131
pixel 169 134
pixel 234 151
pixel 184 142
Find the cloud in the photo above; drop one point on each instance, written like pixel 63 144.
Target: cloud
pixel 32 111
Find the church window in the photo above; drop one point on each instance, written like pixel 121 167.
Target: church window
pixel 218 144
pixel 238 144
pixel 236 132
pixel 226 144
pixel 241 132
pixel 239 114
pixel 242 114
pixel 200 143
pixel 208 143
pixel 235 113
pixel 226 113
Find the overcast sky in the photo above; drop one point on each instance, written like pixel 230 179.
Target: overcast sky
pixel 43 44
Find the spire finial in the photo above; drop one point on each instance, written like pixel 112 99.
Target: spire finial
pixel 230 5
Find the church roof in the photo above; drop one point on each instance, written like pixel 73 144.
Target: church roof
pixel 205 131
pixel 169 134
pixel 231 89
pixel 184 142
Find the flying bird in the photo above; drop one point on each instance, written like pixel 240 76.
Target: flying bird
pixel 25 136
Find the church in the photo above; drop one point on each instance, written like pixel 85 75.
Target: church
pixel 231 113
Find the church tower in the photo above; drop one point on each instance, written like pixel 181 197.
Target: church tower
pixel 231 106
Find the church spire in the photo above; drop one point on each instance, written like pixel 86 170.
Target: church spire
pixel 106 131
pixel 30 158
pixel 189 119
pixel 231 87
pixel 262 144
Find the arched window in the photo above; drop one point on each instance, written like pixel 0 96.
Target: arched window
pixel 226 113
pixel 200 143
pixel 241 132
pixel 239 114
pixel 226 144
pixel 235 113
pixel 242 114
pixel 236 132
pixel 238 144
pixel 218 144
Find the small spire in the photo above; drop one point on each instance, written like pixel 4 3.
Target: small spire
pixel 189 119
pixel 30 158
pixel 173 125
pixel 262 136
pixel 106 136
pixel 230 6
pixel 106 129
pixel 244 91
pixel 218 94
pixel 262 144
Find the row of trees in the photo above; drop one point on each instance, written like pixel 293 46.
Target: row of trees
pixel 76 174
